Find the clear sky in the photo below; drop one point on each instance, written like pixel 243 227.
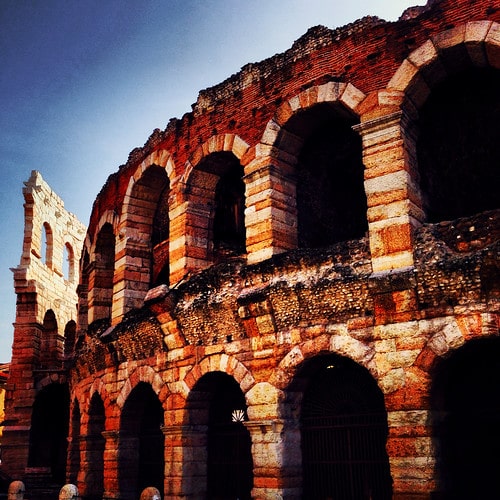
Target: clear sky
pixel 83 82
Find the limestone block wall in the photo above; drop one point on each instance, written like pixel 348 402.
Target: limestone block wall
pixel 45 327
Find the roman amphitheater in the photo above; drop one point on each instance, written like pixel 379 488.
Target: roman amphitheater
pixel 291 292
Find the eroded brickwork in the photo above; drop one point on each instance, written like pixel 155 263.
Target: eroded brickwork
pixel 191 347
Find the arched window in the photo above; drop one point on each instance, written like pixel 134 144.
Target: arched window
pixel 459 146
pixel 331 201
pixel 69 339
pixel 466 408
pixel 343 428
pixel 51 343
pixel 220 190
pixel 48 245
pixel 69 263
pixel 101 275
pixel 94 487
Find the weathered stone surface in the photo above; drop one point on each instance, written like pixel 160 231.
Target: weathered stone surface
pixel 177 318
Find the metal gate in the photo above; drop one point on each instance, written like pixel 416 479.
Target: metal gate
pixel 344 457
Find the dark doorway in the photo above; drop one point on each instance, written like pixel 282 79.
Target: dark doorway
pixel 74 451
pixel 459 146
pixel 331 200
pixel 466 408
pixel 221 405
pixel 343 433
pixel 95 450
pixel 229 218
pixel 49 431
pixel 141 450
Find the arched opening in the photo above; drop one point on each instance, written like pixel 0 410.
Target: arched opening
pixel 49 431
pixel 343 428
pixel 141 449
pixel 94 474
pixel 74 451
pixel 69 339
pixel 48 245
pixel 459 145
pixel 83 289
pixel 69 263
pixel 331 201
pixel 217 409
pixel 52 344
pixel 148 220
pixel 161 234
pixel 466 407
pixel 101 275
pixel 226 197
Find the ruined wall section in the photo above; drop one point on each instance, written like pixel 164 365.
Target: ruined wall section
pixel 45 284
pixel 52 246
pixel 265 303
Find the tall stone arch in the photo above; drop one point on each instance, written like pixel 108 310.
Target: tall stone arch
pixel 101 269
pixel 214 432
pixel 141 451
pixel 271 175
pixel 389 128
pixel 145 206
pixel 219 158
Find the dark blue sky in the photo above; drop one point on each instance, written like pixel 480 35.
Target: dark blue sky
pixel 83 82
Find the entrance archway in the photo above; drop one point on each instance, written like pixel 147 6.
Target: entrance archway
pixel 466 409
pixel 344 429
pixel 49 431
pixel 217 407
pixel 141 449
pixel 95 449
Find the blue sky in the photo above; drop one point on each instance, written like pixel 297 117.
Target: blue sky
pixel 83 82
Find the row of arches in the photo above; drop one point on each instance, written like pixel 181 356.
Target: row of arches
pixel 50 347
pixel 333 433
pixel 315 179
pixel 69 269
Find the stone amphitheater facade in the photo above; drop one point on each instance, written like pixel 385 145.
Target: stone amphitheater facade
pixel 293 290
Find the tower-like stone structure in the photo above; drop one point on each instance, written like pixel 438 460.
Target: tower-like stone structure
pixel 45 283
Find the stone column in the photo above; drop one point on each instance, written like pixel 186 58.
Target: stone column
pixel 131 275
pixel 111 465
pixel 185 461
pixel 394 204
pixel 91 475
pixel 276 460
pixel 271 210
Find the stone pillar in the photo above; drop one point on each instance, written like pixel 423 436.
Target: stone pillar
pixel 276 460
pixel 15 449
pixel 91 475
pixel 411 454
pixel 394 204
pixel 271 209
pixel 185 461
pixel 131 279
pixel 111 465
